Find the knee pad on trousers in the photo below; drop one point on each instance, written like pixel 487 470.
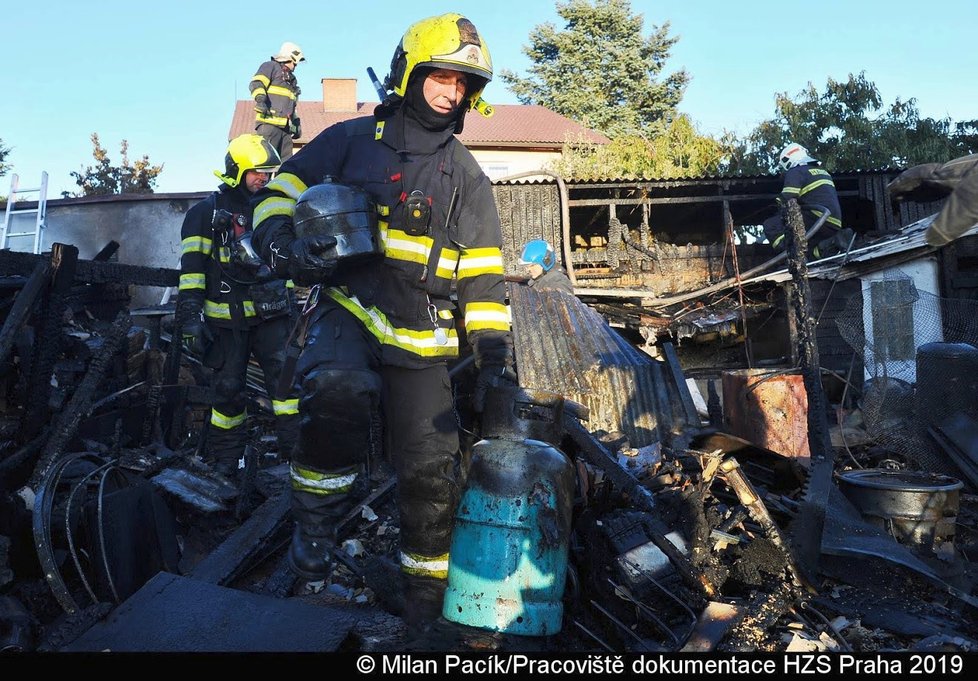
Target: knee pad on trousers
pixel 336 411
pixel 229 390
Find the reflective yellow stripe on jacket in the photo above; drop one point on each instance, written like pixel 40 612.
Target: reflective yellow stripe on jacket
pixel 223 310
pixel 417 342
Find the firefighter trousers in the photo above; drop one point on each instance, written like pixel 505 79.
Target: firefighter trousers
pixel 344 392
pixel 228 430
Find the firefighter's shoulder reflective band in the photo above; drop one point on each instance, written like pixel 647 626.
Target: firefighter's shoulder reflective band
pixel 429 566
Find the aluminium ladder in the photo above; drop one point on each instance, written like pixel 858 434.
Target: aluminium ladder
pixel 40 211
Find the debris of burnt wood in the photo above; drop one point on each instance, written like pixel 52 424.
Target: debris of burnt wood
pixel 684 544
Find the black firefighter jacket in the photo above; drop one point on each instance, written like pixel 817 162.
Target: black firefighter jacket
pixel 209 280
pixel 279 85
pixel 812 186
pixel 402 298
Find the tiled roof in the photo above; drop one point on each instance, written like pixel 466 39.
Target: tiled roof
pixel 512 125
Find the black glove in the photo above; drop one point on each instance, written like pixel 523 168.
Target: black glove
pixel 263 106
pixel 295 127
pixel 491 378
pixel 300 261
pixel 196 336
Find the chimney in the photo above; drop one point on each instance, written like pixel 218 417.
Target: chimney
pixel 340 94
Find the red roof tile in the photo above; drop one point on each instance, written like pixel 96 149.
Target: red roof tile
pixel 512 125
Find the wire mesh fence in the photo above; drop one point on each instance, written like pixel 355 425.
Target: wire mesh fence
pixel 920 353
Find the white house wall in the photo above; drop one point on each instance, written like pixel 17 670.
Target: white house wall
pixel 147 229
pixel 497 163
pixel 925 276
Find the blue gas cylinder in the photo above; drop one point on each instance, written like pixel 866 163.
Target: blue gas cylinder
pixel 508 558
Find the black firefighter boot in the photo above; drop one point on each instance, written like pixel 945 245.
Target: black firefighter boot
pixel 423 602
pixel 316 516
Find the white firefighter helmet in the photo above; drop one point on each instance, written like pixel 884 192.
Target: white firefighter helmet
pixel 289 52
pixel 794 155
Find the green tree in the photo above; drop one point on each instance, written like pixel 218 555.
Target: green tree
pixel 847 127
pixel 4 167
pixel 138 177
pixel 600 70
pixel 679 151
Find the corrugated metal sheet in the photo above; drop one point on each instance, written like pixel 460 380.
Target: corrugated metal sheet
pixel 606 181
pixel 565 347
pixel 871 257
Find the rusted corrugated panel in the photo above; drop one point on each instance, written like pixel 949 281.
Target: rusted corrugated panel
pixel 527 213
pixel 565 347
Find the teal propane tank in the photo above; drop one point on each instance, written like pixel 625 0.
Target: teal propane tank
pixel 508 558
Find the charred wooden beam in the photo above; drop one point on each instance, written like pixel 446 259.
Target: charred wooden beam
pixel 806 538
pixel 67 422
pixel 94 272
pixel 48 346
pixel 23 306
pixel 229 560
pixel 107 252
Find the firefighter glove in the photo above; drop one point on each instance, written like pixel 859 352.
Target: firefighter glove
pixel 263 106
pixel 197 337
pixel 306 264
pixel 295 127
pixel 492 377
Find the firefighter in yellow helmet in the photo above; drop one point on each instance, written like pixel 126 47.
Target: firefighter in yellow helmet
pixel 383 330
pixel 230 306
pixel 276 93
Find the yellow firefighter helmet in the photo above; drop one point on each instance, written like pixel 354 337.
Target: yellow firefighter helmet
pixel 448 41
pixel 247 152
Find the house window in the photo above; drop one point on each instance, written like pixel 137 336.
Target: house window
pixel 495 170
pixel 892 301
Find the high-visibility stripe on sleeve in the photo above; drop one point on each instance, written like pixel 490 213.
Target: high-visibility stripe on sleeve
pixel 427 566
pixel 274 205
pixel 447 262
pixel 790 190
pixel 285 407
pixel 306 480
pixel 261 79
pixel 288 184
pixel 196 244
pixel 476 261
pixel 479 316
pixel 192 280
pixel 225 422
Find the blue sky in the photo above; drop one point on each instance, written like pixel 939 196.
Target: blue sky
pixel 165 76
